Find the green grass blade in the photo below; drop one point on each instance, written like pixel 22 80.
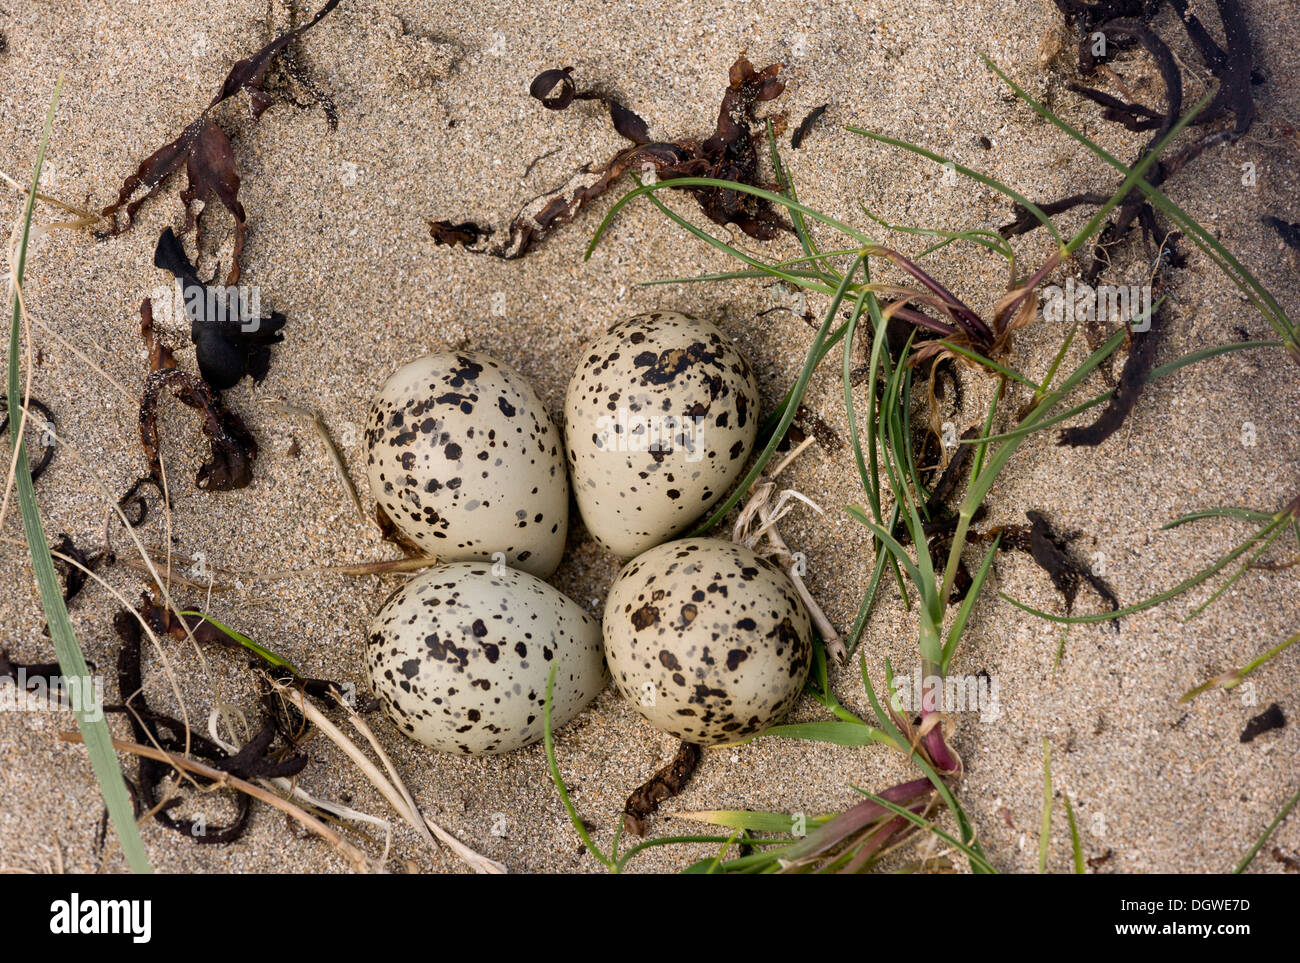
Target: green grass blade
pixel 784 179
pixel 835 733
pixel 998 186
pixel 795 278
pixel 679 182
pixel 1167 369
pixel 247 643
pixel 1242 514
pixel 1076 846
pixel 1188 583
pixel 967 605
pixel 72 663
pixel 1234 678
pixel 888 540
pixel 548 742
pixel 791 405
pixel 992 365
pixel 1263 838
pixel 757 822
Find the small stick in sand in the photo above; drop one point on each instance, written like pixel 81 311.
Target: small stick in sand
pixel 312 417
pixel 399 798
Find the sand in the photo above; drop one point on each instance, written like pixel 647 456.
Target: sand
pixel 435 121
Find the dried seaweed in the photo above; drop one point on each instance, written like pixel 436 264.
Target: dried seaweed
pixel 806 125
pixel 1268 720
pixel 1052 554
pixel 75 572
pixel 255 760
pixel 47 437
pixel 232 446
pixel 731 153
pixel 664 784
pixel 204 150
pixel 40 672
pixel 556 90
pixel 952 475
pixel 466 233
pixel 1289 863
pixel 1132 381
pixel 1126 24
pixel 1095 862
pixel 1232 65
pixel 249 74
pixel 133 504
pixel 287 717
pixel 228 342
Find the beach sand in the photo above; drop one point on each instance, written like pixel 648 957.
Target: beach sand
pixel 435 122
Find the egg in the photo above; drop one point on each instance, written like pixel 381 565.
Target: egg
pixel 459 657
pixel 660 418
pixel 709 642
pixel 464 459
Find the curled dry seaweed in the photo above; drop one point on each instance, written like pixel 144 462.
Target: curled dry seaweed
pixel 664 784
pixel 229 343
pixel 1126 24
pixel 47 437
pixel 806 125
pixel 255 760
pixel 204 150
pixel 232 446
pixel 731 153
pixel 133 503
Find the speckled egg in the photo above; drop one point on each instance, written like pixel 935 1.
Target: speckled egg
pixel 459 658
pixel 709 642
pixel 659 419
pixel 464 459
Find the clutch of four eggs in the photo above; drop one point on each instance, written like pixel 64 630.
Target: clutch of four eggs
pixel 660 418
